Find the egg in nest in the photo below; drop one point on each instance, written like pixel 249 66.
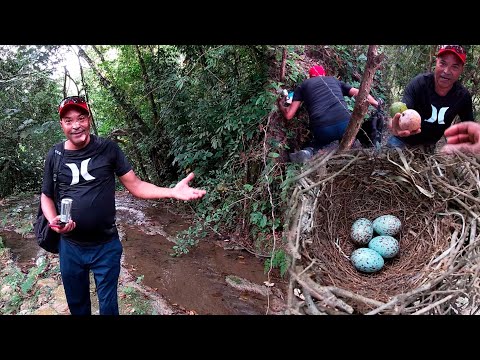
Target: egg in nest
pixel 386 246
pixel 367 260
pixel 362 231
pixel 387 225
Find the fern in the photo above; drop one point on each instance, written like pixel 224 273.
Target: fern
pixel 280 260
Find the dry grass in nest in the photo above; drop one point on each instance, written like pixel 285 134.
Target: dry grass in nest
pixel 435 197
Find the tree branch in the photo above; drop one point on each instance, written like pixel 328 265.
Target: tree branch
pixel 361 104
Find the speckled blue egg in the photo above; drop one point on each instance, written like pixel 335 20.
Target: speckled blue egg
pixel 387 225
pixel 362 231
pixel 366 260
pixel 386 246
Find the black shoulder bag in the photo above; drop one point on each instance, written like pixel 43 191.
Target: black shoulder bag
pixel 47 238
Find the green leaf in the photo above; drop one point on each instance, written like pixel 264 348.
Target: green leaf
pixel 362 57
pixel 248 187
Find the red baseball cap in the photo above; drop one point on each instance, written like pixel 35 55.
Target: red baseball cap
pixel 316 70
pixel 456 49
pixel 70 102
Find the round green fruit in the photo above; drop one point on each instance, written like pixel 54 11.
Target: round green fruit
pixel 397 107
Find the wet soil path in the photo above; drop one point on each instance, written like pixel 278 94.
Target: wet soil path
pixel 196 282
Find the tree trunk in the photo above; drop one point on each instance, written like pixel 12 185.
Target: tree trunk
pixel 361 103
pixel 284 61
pixel 87 98
pixel 120 97
pixel 137 127
pixel 147 84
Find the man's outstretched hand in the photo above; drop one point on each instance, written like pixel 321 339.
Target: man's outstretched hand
pixel 183 191
pixel 394 127
pixel 464 136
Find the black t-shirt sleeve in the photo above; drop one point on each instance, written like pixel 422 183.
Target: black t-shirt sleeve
pixel 298 93
pixel 47 185
pixel 466 111
pixel 122 166
pixel 345 88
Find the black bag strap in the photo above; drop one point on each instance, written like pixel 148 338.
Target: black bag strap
pixel 58 151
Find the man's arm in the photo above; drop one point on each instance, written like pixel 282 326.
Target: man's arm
pixel 145 190
pixel 288 112
pixel 50 213
pixel 354 92
pixel 48 207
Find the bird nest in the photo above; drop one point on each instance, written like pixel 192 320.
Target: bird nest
pixel 437 200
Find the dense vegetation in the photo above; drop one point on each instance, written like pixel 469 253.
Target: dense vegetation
pixel 176 109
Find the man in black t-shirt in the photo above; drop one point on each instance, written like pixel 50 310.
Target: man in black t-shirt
pixel 438 97
pixel 90 240
pixel 328 113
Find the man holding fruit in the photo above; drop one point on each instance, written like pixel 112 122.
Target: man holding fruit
pixel 438 98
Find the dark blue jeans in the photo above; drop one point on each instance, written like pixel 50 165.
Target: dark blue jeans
pixel 396 142
pixel 322 136
pixel 75 264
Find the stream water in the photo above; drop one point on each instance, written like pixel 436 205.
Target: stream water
pixel 196 281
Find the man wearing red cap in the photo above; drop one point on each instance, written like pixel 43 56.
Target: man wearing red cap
pixel 438 97
pixel 316 70
pixel 89 240
pixel 327 110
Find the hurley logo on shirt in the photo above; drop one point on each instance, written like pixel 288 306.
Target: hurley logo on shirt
pixel 83 171
pixel 440 117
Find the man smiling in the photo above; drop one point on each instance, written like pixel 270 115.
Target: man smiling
pixel 438 97
pixel 89 241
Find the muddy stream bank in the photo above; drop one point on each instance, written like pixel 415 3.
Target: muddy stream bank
pixel 216 277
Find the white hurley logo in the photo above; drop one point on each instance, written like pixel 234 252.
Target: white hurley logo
pixel 83 171
pixel 440 117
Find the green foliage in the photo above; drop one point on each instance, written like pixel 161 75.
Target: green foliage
pixel 52 272
pixel 31 278
pixel 25 228
pixel 28 98
pixel 403 63
pixel 187 239
pixel 13 305
pixel 21 286
pixel 280 260
pixel 146 143
pixel 12 278
pixel 219 118
pixel 135 302
pixel 128 290
pixel 258 219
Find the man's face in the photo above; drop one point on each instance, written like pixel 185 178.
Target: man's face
pixel 447 70
pixel 76 127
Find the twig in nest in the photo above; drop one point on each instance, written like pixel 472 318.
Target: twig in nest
pixel 325 296
pixel 431 306
pixel 310 304
pixel 340 249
